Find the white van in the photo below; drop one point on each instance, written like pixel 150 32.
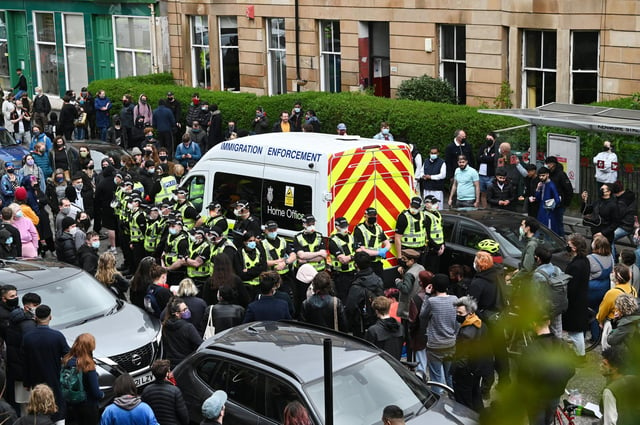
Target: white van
pixel 286 176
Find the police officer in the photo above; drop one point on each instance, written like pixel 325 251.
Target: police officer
pixel 153 231
pixel 310 249
pixel 199 265
pixel 435 234
pixel 280 255
pixel 215 218
pixel 220 244
pixel 186 209
pixel 123 213
pixel 164 185
pixel 254 262
pixel 175 250
pixel 342 249
pixel 137 226
pixel 245 222
pixel 410 228
pixel 370 238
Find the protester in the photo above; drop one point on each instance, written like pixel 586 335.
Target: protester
pixel 127 407
pixel 179 337
pixel 213 408
pixel 576 319
pixel 164 398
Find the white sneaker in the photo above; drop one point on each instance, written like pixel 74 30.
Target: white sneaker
pixel 113 250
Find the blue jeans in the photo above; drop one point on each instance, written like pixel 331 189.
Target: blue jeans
pixel 618 234
pixel 79 133
pixel 103 133
pixel 439 364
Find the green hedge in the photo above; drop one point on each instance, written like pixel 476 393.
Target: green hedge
pixel 422 123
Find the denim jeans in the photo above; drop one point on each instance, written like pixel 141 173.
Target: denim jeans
pixel 421 358
pixel 439 364
pixel 577 338
pixel 618 234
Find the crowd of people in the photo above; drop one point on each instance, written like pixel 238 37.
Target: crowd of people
pixel 192 271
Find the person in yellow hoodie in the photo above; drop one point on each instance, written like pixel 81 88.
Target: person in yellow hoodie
pixel 621 278
pixel 469 363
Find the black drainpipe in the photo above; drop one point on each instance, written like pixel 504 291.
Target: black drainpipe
pixel 297 18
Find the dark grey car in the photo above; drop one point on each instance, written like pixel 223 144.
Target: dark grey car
pixel 463 229
pixel 265 365
pixel 127 338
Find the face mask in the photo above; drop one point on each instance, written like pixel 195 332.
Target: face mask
pixel 151 170
pixel 143 101
pixel 463 141
pixel 122 164
pixel 272 235
pixel 84 154
pixel 36 134
pixel 605 149
pixel 13 302
pixel 65 210
pixel 195 101
pixel 9 240
pixel 73 230
pixel 130 205
pixel 163 158
pixel 310 228
pixel 343 230
pixel 231 128
pixel 371 220
pixel 414 211
pixel 19 214
pixel 126 102
pixel 237 213
pixel 433 157
pixel 296 110
pixel 10 170
pixel 192 238
pixel 81 101
pixel 150 137
pixel 568 248
pixel 258 114
pixel 186 315
pixel 60 146
pixel 95 245
pixel 385 131
pixel 251 245
pixel 461 319
pixel 402 263
pixel 173 231
pixel 30 162
pixel 78 186
pixel 205 108
pixel 522 233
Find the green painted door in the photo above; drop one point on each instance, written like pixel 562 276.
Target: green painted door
pixel 103 60
pixel 18 47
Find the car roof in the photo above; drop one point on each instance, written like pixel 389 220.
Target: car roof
pixel 31 273
pixel 294 348
pixel 487 216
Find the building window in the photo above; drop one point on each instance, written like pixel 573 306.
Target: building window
pixel 229 54
pixel 584 66
pixel 453 62
pixel 200 63
pixel 276 56
pixel 75 52
pixel 132 38
pixel 46 54
pixel 539 68
pixel 330 56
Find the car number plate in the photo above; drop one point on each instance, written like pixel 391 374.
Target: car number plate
pixel 143 379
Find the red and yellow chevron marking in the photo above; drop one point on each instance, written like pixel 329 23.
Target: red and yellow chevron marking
pixel 379 177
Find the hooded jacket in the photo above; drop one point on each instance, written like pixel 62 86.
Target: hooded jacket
pixel 128 410
pixel 484 288
pixel 180 338
pixel 365 280
pixel 388 335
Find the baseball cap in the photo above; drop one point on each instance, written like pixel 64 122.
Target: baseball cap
pixel 308 219
pixel 371 211
pixel 431 199
pixel 8 164
pixel 169 93
pixel 342 222
pixel 214 205
pixel 212 407
pixel 270 225
pixel 243 203
pixel 180 191
pixel 128 183
pixel 342 126
pixel 416 202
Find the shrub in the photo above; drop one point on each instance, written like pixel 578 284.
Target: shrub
pixel 428 89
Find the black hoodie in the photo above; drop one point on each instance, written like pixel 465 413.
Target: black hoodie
pixel 388 335
pixel 484 288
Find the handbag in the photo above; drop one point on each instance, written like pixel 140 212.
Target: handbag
pixel 549 204
pixel 210 329
pixel 592 219
pixel 81 120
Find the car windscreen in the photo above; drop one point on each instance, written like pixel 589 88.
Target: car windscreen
pixel 76 300
pixel 512 245
pixel 361 390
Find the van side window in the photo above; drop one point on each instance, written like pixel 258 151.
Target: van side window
pixel 229 188
pixel 196 185
pixel 284 202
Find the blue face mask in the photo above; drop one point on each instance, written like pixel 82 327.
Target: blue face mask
pixel 173 231
pixel 95 244
pixel 251 245
pixel 186 315
pixel 272 235
pixel 385 131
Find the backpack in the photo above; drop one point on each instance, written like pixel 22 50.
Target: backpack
pixel 557 290
pixel 151 302
pixel 71 385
